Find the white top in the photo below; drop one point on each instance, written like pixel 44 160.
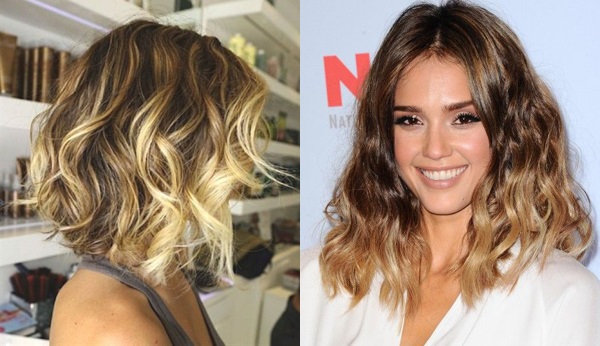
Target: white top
pixel 558 306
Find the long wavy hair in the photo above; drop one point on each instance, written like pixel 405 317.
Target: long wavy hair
pixel 528 194
pixel 136 159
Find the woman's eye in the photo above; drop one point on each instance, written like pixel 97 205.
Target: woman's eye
pixel 407 120
pixel 466 118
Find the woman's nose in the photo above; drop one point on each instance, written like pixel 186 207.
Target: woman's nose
pixel 437 144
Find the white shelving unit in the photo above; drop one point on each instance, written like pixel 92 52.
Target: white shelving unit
pixel 66 17
pixel 26 242
pixel 249 206
pixel 283 92
pixel 257 19
pixel 262 25
pixel 73 25
pixel 69 24
pixel 17 113
pixel 283 149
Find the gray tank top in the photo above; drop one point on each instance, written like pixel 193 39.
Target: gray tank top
pixel 176 334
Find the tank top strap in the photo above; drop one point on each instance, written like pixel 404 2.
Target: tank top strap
pixel 176 334
pixel 216 339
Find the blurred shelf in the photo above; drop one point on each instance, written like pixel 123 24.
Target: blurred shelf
pixel 188 19
pixel 257 20
pixel 81 20
pixel 284 253
pixel 280 90
pixel 281 149
pixel 9 224
pixel 17 113
pixel 22 240
pixel 249 206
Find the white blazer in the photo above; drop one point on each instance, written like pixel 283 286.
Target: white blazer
pixel 559 305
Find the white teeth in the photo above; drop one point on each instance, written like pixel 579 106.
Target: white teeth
pixel 443 175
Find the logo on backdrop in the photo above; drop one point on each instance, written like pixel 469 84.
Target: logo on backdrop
pixel 338 74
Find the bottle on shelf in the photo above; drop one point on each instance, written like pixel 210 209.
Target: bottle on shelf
pixel 27 209
pixel 281 125
pixel 25 91
pixel 15 194
pixel 236 44
pixel 18 72
pixel 273 67
pixel 250 53
pixel 63 61
pixel 261 60
pixel 8 50
pixel 4 194
pixel 282 68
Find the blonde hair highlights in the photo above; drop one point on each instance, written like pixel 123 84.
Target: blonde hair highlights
pixel 138 157
pixel 528 196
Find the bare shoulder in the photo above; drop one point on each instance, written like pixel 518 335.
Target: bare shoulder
pixel 94 309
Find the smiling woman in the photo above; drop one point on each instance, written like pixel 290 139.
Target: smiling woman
pixel 456 219
pixel 440 144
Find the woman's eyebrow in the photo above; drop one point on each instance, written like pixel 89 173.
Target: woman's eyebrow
pixel 458 105
pixel 448 108
pixel 411 109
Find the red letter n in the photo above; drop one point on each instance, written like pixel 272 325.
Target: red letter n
pixel 336 73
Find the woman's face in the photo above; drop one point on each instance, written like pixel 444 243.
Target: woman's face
pixel 440 144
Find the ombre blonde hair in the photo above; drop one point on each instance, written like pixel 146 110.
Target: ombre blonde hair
pixel 138 156
pixel 527 196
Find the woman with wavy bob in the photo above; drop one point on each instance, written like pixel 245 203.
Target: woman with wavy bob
pixel 456 220
pixel 134 165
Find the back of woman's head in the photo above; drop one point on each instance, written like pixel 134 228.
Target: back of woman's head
pixel 139 154
pixel 528 194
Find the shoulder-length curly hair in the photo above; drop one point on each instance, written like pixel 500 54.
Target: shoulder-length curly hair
pixel 528 194
pixel 138 156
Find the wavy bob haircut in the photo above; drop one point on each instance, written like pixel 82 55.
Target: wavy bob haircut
pixel 528 195
pixel 139 154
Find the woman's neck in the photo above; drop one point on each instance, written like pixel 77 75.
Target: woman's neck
pixel 445 235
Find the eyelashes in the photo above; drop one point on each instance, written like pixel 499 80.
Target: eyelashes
pixel 466 118
pixel 463 118
pixel 407 120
